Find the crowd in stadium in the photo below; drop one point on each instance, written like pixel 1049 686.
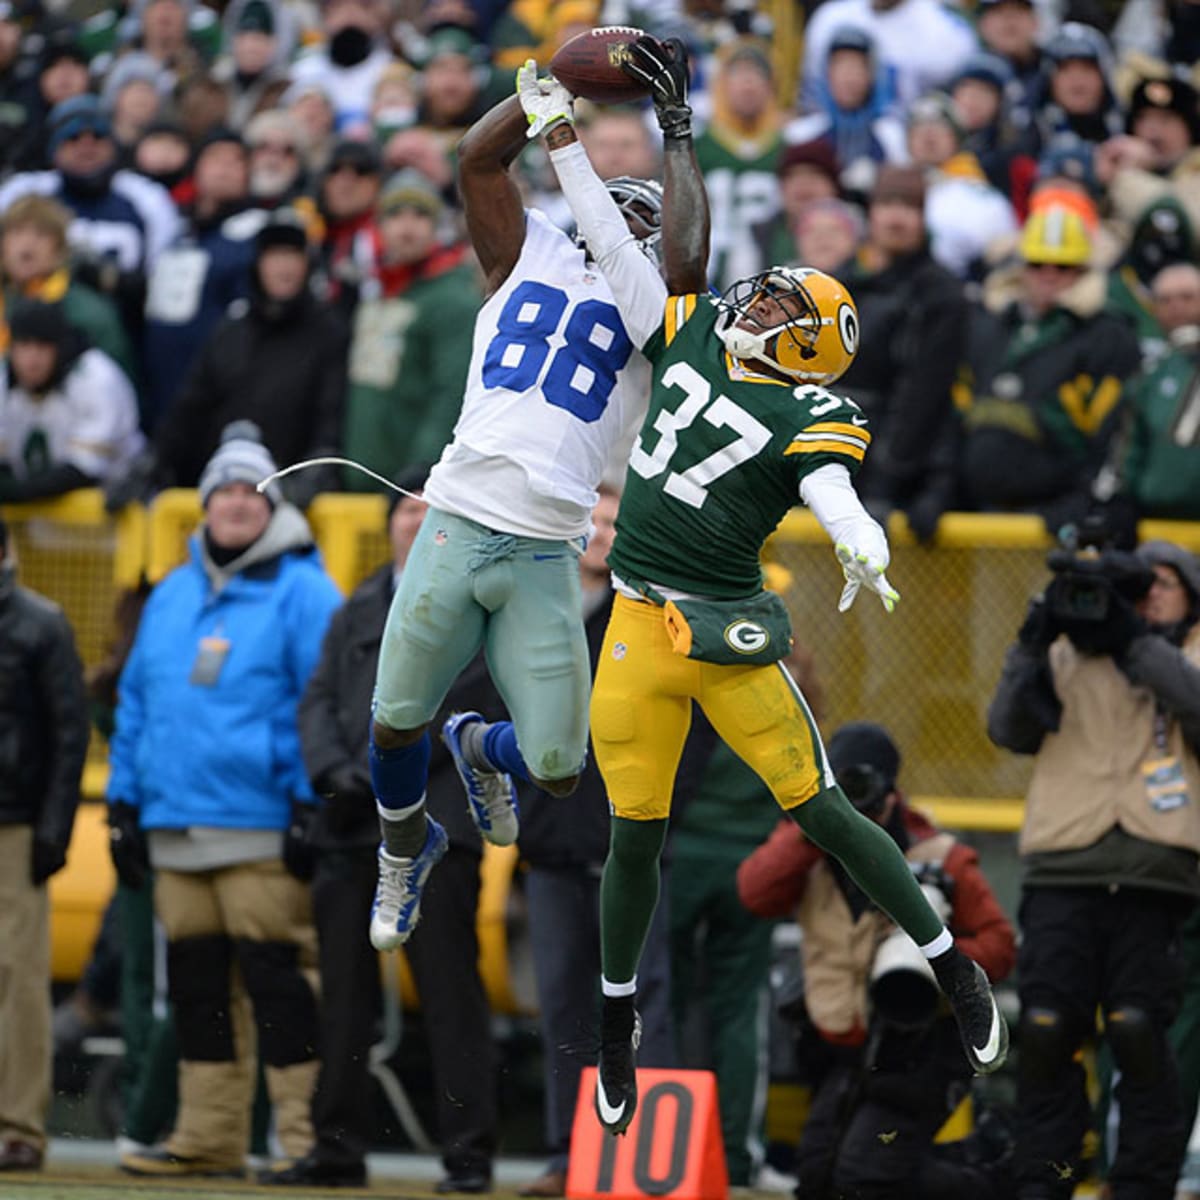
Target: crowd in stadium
pixel 232 239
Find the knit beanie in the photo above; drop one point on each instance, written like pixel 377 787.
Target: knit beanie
pixel 240 458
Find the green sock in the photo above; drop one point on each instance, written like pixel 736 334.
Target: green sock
pixel 872 858
pixel 628 894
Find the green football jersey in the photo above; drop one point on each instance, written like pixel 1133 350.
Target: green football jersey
pixel 719 460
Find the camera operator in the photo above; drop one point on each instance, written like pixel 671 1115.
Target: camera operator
pixel 891 1070
pixel 1103 688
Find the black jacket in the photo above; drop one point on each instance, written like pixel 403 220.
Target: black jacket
pixel 913 327
pixel 335 715
pixel 43 714
pixel 285 371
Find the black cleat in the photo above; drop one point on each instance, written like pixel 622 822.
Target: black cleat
pixel 983 1028
pixel 616 1077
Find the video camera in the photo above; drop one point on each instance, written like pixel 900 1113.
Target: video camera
pixel 1090 574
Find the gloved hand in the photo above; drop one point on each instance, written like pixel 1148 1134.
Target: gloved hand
pixel 48 858
pixel 348 798
pixel 863 568
pixel 299 855
pixel 545 102
pixel 139 481
pixel 663 68
pixel 127 844
pixel 1039 628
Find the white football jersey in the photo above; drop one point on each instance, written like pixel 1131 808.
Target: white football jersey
pixel 89 419
pixel 555 388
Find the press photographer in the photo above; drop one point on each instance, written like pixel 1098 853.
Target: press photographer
pixel 886 1055
pixel 1103 688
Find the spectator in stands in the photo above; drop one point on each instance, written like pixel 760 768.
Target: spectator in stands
pixel 132 95
pixel 195 281
pixel 62 75
pixel 1158 158
pixel 1162 235
pixel 1043 376
pixel 890 1077
pixel 68 414
pixel 310 105
pixel 1158 468
pixel 1044 367
pixel 1076 94
pixel 854 111
pixel 278 145
pixel 412 341
pixel 280 361
pixel 564 846
pixel 921 44
pixel 160 28
pixel 122 220
pixel 347 67
pixel 453 78
pixel 33 264
pixel 423 151
pixel 828 235
pixel 444 950
pixel 739 154
pixel 1107 700
pixel 21 105
pixel 1009 30
pixel 981 94
pixel 260 36
pixel 912 316
pixel 807 173
pixel 208 787
pixel 964 213
pixel 44 737
pixel 202 105
pixel 348 194
pixel 164 154
pixel 619 142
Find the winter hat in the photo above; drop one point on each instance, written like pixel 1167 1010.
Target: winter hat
pixel 1162 235
pixel 904 185
pixel 256 16
pixel 866 762
pixel 818 154
pixel 1069 156
pixel 70 118
pixel 219 134
pixel 62 43
pixel 753 53
pixel 846 214
pixel 284 227
pixel 987 68
pixel 37 321
pixel 410 189
pixel 131 68
pixel 240 458
pixel 1160 553
pixel 1075 40
pixel 935 107
pixel 851 37
pixel 1170 95
pixel 362 156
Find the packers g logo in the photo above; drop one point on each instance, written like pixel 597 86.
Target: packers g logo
pixel 847 323
pixel 746 637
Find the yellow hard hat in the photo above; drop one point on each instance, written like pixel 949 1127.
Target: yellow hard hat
pixel 1056 234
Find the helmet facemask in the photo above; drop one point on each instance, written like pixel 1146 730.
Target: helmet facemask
pixel 787 346
pixel 641 203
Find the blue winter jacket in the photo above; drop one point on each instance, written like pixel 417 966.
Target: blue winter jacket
pixel 225 755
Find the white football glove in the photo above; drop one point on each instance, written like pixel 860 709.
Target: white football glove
pixel 862 568
pixel 545 102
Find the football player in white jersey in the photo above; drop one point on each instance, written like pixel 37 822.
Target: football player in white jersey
pixel 554 387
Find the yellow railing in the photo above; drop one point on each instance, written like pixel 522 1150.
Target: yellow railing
pixel 927 671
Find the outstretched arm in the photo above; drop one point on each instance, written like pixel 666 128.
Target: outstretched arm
pixel 495 214
pixel 663 68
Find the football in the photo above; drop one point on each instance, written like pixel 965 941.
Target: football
pixel 589 65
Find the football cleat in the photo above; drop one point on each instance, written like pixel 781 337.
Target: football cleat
pixel 397 905
pixel 491 796
pixel 980 1023
pixel 616 1076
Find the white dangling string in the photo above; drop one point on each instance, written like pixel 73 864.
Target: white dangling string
pixel 263 484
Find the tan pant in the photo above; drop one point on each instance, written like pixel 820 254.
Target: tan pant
pixel 256 902
pixel 25 1051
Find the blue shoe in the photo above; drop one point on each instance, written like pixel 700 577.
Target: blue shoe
pixel 491 797
pixel 397 906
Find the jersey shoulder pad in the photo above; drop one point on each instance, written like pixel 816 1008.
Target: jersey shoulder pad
pixel 828 424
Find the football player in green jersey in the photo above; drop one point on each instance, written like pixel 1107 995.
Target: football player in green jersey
pixel 739 428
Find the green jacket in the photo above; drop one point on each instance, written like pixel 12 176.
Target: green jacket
pixel 408 367
pixel 1161 465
